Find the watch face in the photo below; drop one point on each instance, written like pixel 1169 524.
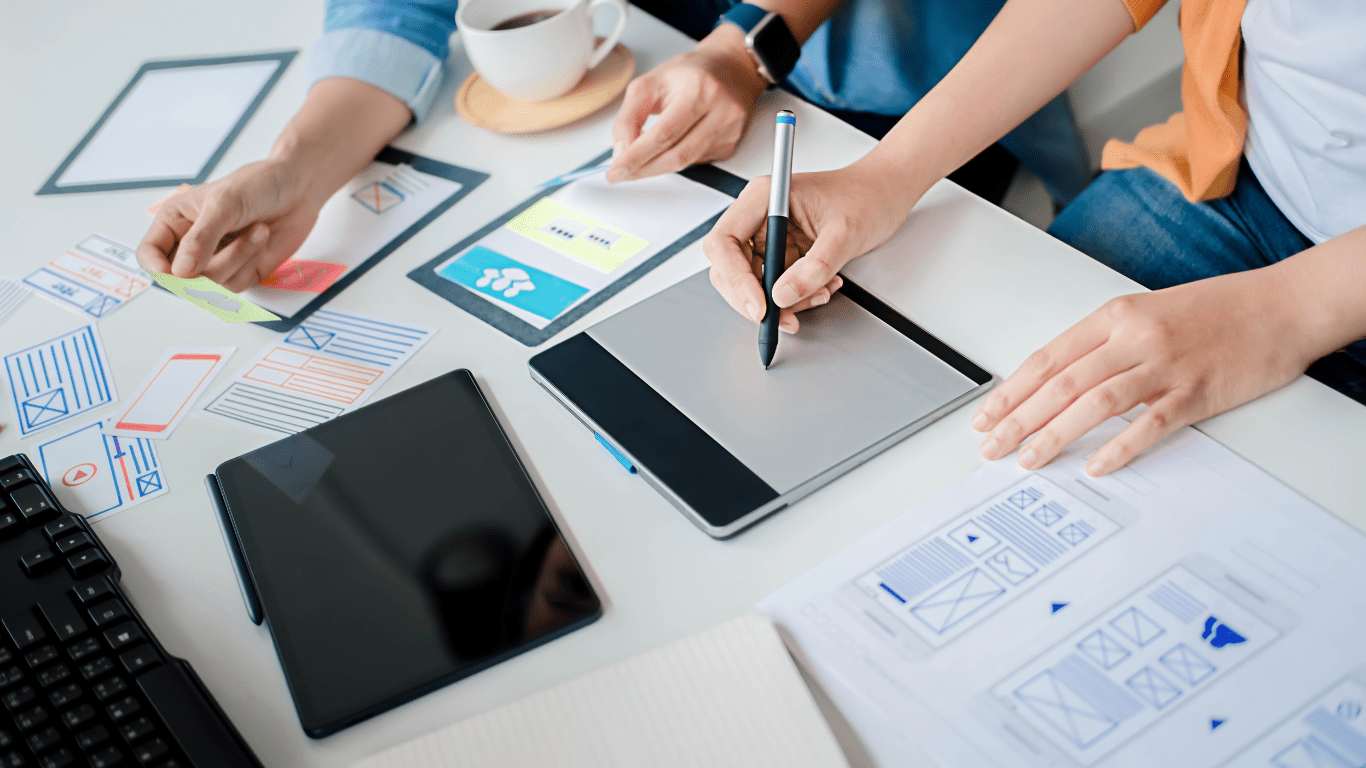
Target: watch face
pixel 775 47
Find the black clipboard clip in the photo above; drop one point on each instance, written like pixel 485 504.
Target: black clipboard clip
pixel 250 597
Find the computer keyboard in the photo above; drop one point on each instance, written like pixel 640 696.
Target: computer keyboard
pixel 83 681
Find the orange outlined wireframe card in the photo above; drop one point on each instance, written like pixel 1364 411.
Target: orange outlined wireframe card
pixel 170 391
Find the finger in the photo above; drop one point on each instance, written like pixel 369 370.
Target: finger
pixel 641 101
pixel 820 297
pixel 235 267
pixel 731 267
pixel 1108 398
pixel 1039 367
pixel 1054 396
pixel 673 124
pixel 219 215
pixel 159 244
pixel 694 147
pixel 1164 416
pixel 815 270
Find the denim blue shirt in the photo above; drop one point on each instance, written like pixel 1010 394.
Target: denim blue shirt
pixel 877 56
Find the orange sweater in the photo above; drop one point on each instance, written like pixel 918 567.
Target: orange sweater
pixel 1197 149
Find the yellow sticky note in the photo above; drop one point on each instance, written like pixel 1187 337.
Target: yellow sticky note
pixel 577 236
pixel 213 298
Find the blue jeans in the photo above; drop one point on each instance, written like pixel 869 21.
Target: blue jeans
pixel 1138 224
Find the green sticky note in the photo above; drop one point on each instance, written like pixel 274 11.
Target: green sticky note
pixel 213 298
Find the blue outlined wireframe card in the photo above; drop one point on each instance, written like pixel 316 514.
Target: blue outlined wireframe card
pixel 170 125
pixel 383 207
pixel 59 379
pixel 96 474
pixel 533 271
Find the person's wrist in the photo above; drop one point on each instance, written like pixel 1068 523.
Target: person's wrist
pixel 298 169
pixel 726 43
pixel 1301 304
pixel 899 184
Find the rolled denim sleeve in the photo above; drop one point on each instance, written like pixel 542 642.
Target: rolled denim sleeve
pixel 397 46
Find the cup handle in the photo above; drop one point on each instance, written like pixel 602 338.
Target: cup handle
pixel 601 51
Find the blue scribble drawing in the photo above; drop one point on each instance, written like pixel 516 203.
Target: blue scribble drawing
pixel 1222 634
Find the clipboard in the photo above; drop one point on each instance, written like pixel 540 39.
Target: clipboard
pixel 516 324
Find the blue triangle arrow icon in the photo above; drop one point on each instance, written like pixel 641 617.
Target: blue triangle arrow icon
pixel 1059 606
pixel 971 538
pixel 1215 723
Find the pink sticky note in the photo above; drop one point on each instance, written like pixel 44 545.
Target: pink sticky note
pixel 307 276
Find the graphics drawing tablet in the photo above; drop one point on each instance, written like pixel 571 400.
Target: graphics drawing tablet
pixel 675 385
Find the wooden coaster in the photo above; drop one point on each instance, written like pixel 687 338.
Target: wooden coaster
pixel 481 105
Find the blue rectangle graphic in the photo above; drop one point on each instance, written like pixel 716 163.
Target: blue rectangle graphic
pixel 493 274
pixel 59 379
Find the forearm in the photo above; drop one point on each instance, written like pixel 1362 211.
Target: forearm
pixel 1324 288
pixel 802 18
pixel 1031 52
pixel 342 125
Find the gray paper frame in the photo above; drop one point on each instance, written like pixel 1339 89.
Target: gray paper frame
pixel 528 334
pixel 283 57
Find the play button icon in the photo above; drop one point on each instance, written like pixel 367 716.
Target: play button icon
pixel 78 475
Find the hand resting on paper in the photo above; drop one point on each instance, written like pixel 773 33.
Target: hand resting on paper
pixel 238 229
pixel 847 211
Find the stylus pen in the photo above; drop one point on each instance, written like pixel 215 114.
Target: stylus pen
pixel 775 246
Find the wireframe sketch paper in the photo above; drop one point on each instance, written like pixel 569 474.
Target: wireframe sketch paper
pixel 94 278
pixel 59 379
pixel 213 298
pixel 387 203
pixel 12 294
pixel 171 124
pixel 95 474
pixel 1188 610
pixel 170 391
pixel 332 363
pixel 727 697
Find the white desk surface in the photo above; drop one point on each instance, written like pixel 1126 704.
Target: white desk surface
pixel 989 284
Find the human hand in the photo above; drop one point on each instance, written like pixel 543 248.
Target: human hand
pixel 236 230
pixel 840 214
pixel 703 99
pixel 1188 352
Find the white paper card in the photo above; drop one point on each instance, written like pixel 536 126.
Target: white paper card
pixel 170 391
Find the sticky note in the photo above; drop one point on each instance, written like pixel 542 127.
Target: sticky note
pixel 304 276
pixel 213 298
pixel 577 236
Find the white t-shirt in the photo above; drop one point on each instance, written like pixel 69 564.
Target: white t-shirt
pixel 1304 75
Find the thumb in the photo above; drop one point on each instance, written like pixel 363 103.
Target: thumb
pixel 220 215
pixel 641 101
pixel 815 270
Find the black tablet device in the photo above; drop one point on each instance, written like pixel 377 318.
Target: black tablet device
pixel 396 549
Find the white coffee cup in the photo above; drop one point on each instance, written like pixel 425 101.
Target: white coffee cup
pixel 539 61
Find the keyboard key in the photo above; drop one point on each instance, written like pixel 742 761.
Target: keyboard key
pixel 30 719
pixel 59 759
pixel 43 656
pixel 53 675
pixel 11 463
pixel 97 668
pixel 19 697
pixel 10 524
pixel 84 648
pixel 92 591
pixel 110 688
pixel 23 629
pixel 65 695
pixel 137 730
pixel 87 563
pixel 5 655
pixel 152 750
pixel 124 708
pixel 75 541
pixel 139 659
pixel 5 739
pixel 37 562
pixel 10 676
pixel 66 623
pixel 33 504
pixel 106 759
pixel 15 478
pixel 78 717
pixel 123 635
pixel 105 614
pixel 91 738
pixel 12 760
pixel 44 740
pixel 62 526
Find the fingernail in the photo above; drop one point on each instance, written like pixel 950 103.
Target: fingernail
pixel 753 312
pixel 258 235
pixel 979 422
pixel 1096 468
pixel 617 148
pixel 1027 458
pixel 990 447
pixel 819 299
pixel 785 296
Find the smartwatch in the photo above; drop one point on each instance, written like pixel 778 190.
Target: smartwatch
pixel 770 43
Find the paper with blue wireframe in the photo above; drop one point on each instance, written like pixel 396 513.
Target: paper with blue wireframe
pixel 61 378
pixel 96 474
